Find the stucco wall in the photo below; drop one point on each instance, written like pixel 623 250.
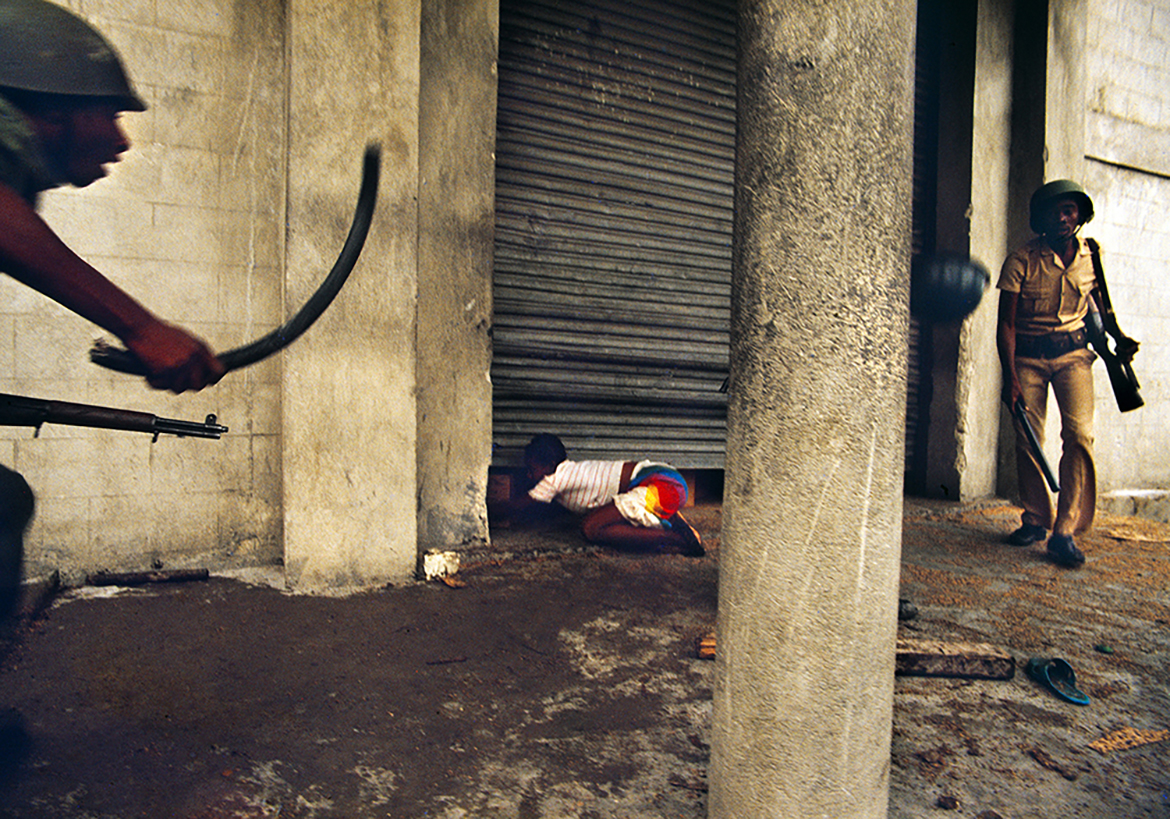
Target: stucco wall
pixel 457 125
pixel 1113 58
pixel 349 415
pixel 225 218
pixel 1128 174
pixel 978 374
pixel 191 222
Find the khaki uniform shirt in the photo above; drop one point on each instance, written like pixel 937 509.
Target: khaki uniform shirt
pixel 1053 299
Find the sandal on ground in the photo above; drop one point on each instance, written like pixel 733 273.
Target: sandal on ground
pixel 692 545
pixel 1058 677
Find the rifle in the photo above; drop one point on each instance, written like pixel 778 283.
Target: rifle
pixel 20 411
pixel 1034 444
pixel 1126 388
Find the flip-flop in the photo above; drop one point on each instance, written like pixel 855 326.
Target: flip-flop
pixel 1058 677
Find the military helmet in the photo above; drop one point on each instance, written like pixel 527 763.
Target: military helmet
pixel 47 49
pixel 1058 189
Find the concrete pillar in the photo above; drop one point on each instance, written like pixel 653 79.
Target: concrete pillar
pixel 979 373
pixel 457 138
pixel 348 387
pixel 813 495
pixel 1067 90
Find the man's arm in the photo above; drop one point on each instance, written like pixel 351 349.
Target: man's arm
pixel 32 253
pixel 1005 342
pixel 516 509
pixel 1126 347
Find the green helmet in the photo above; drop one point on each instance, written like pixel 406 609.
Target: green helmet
pixel 1058 189
pixel 48 50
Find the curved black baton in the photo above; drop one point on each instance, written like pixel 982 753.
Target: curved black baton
pixel 1034 445
pixel 115 358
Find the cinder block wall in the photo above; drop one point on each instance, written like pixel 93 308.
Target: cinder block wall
pixel 1128 175
pixel 192 224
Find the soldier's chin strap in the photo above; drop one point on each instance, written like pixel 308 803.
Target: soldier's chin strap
pixel 115 358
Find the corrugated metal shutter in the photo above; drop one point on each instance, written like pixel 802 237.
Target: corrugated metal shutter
pixel 615 164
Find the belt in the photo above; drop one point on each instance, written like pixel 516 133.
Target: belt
pixel 1052 345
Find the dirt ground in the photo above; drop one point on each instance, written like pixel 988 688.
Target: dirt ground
pixel 558 680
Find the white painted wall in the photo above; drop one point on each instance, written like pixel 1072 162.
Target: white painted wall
pixel 1128 175
pixel 191 223
pixel 225 218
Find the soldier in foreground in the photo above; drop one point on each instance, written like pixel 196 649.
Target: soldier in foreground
pixel 62 91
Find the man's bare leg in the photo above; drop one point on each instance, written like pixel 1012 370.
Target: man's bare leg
pixel 607 526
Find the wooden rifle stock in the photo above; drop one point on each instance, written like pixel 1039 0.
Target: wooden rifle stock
pixel 21 411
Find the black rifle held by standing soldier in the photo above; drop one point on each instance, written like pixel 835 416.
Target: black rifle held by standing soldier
pixel 1126 388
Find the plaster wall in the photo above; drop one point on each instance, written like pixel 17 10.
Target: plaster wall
pixel 1127 171
pixel 225 217
pixel 191 223
pixel 955 67
pixel 1065 90
pixel 978 379
pixel 973 154
pixel 1105 122
pixel 348 392
pixel 1112 59
pixel 457 124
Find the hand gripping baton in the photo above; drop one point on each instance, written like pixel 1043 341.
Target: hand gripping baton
pixel 115 358
pixel 1034 444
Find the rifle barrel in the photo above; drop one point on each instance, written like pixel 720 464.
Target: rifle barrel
pixel 22 411
pixel 193 429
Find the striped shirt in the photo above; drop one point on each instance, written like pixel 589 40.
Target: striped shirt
pixel 580 485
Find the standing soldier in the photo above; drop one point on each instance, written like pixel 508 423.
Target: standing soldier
pixel 1045 292
pixel 62 90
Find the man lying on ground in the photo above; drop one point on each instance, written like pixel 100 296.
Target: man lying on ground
pixel 628 505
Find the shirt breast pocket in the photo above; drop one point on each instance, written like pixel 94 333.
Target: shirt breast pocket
pixel 1036 299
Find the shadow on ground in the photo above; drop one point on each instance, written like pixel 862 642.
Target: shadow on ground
pixel 557 680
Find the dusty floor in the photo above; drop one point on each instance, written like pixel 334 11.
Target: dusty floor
pixel 561 681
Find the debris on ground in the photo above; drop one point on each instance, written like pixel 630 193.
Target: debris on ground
pixel 705 647
pixel 147 577
pixel 437 564
pixel 1125 738
pixel 563 681
pixel 1047 762
pixel 926 658
pixel 948 802
pixel 907 610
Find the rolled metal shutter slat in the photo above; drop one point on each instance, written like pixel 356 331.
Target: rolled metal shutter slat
pixel 615 179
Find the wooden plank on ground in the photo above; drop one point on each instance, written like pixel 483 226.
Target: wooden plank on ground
pixel 927 658
pixel 934 658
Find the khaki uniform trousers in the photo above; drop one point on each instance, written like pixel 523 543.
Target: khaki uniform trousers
pixel 1071 378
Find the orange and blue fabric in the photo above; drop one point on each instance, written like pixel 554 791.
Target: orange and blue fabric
pixel 666 491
